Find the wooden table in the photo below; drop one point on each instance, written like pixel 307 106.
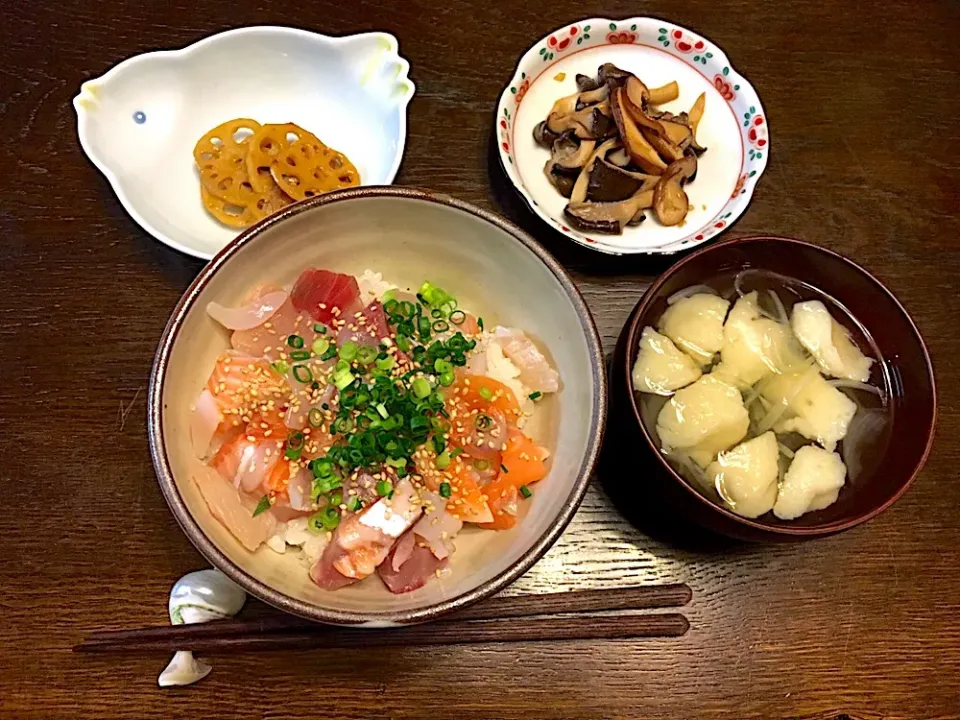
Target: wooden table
pixel 863 107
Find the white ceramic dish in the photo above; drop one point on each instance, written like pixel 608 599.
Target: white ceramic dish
pixel 138 123
pixel 733 128
pixel 497 271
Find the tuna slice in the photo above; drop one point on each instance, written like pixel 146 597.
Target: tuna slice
pixel 318 292
pixel 234 510
pixel 413 573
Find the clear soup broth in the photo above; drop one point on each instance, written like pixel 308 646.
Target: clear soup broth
pixel 865 443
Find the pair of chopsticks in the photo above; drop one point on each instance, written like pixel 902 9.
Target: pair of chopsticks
pixel 552 616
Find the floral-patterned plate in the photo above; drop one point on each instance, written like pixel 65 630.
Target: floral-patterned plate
pixel 733 129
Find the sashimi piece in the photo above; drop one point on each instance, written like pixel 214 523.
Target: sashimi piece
pixel 437 527
pixel 362 540
pixel 205 421
pixel 522 463
pixel 478 392
pixel 247 463
pixel 243 384
pixel 481 434
pixel 369 329
pixel 401 550
pixel 413 573
pixel 255 312
pixel 321 293
pixel 234 510
pixel 535 370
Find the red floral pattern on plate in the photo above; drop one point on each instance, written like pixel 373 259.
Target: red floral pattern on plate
pixel 685 43
pixel 758 132
pixel 522 90
pixel 724 88
pixel 621 38
pixel 561 43
pixel 739 186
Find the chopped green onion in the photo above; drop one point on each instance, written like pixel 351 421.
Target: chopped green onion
pixel 302 374
pixel 447 378
pixel 386 363
pixel 348 351
pixel 483 421
pixel 443 461
pixel 457 317
pixel 336 499
pixel 455 452
pixel 293 453
pixel 423 325
pixel 354 504
pixel 440 326
pixel 480 323
pixel 389 295
pixel 300 355
pixel 397 462
pixel 320 329
pixel 436 313
pixel 343 425
pixel 262 506
pixel 444 489
pixel 525 491
pixel 281 366
pixel 295 341
pixel 384 488
pixel 322 468
pixel 535 395
pixel 366 354
pixel 403 343
pixel 322 486
pixel 330 353
pixel 329 518
pixel 343 378
pixel 442 366
pixel 390 305
pixel 341 366
pixel 420 387
pixel 295 439
pixel 320 346
pixel 408 309
pixel 433 295
pixel 481 465
pixel 315 418
pixel 503 468
pixel 315 524
pixel 382 411
pixel 486 393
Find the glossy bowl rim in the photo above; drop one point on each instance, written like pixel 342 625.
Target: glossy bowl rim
pixel 279 599
pixel 633 330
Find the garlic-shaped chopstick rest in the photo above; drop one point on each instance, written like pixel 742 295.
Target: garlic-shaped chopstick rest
pixel 195 598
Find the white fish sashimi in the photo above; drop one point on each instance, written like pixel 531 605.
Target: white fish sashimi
pixel 249 316
pixel 536 372
pixel 234 510
pixel 204 421
pixel 437 527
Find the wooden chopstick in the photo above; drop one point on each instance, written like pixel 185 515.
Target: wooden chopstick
pixel 478 623
pixel 565 627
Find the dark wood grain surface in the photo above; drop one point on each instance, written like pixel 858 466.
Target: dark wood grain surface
pixel 862 101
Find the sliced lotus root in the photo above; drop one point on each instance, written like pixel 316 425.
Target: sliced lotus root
pixel 267 144
pixel 227 213
pixel 269 202
pixel 226 177
pixel 302 171
pixel 231 135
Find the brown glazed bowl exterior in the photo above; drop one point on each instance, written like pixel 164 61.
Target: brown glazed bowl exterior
pixel 875 307
pixel 410 236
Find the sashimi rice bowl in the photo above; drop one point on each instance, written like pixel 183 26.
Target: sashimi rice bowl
pixel 362 434
pixel 363 425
